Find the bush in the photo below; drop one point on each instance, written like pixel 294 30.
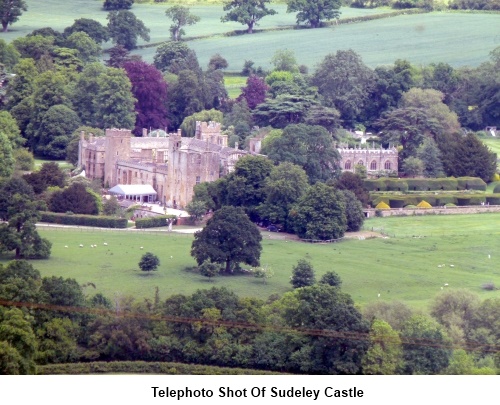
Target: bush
pixel 149 262
pixel 424 204
pixel 83 220
pixel 382 206
pixel 497 188
pixel 375 185
pixel 417 184
pixel 445 199
pixel 463 201
pixel 153 222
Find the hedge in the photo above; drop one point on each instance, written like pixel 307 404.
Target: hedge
pixel 143 367
pixel 447 183
pixel 493 199
pixel 83 220
pixel 497 188
pixel 153 222
pixel 471 183
pixel 396 185
pixel 397 202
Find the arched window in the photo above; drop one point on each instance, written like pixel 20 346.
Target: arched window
pixel 387 165
pixel 373 165
pixel 347 165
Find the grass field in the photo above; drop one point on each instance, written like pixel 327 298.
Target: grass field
pixel 62 163
pixel 403 266
pixel 456 38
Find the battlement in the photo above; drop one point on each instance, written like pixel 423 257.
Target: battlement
pixel 210 127
pixel 118 133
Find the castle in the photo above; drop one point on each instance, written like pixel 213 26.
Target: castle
pixel 171 164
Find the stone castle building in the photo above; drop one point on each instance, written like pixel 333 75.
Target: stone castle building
pixel 375 160
pixel 170 163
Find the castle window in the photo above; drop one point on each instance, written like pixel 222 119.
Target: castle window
pixel 387 165
pixel 347 165
pixel 198 179
pixel 373 165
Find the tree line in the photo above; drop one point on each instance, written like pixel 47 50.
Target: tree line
pixel 313 329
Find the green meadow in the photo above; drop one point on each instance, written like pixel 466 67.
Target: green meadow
pixel 401 266
pixel 456 38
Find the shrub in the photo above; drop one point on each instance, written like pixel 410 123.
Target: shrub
pixel 382 206
pixel 375 185
pixel 463 201
pixel 488 286
pixel 444 199
pixel 149 262
pixel 417 184
pixel 410 206
pixel 497 188
pixel 450 205
pixel 424 204
pixel 448 183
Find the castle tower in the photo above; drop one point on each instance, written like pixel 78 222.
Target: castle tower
pixel 174 169
pixel 117 148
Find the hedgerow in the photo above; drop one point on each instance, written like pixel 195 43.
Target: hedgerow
pixel 83 220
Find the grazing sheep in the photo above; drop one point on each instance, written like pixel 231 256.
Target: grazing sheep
pixel 105 244
pixel 452 265
pixel 66 246
pixel 446 284
pixel 141 248
pixel 171 257
pixel 81 245
pixel 378 296
pixel 439 265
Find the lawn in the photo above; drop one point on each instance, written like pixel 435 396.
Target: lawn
pixel 403 266
pixel 62 163
pixel 234 84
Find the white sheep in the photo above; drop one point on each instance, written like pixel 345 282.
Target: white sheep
pixel 378 295
pixel 81 245
pixel 66 246
pixel 446 284
pixel 439 265
pixel 452 265
pixel 105 244
pixel 141 248
pixel 171 257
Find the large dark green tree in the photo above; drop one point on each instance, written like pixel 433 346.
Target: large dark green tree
pixel 302 274
pixel 76 199
pixel 327 309
pixel 246 12
pixel 94 29
pixel 308 146
pixel 125 28
pixel 229 238
pixel 313 12
pixel 319 214
pixel 346 84
pixel 109 5
pixel 20 210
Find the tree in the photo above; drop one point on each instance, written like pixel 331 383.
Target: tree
pixel 109 5
pixel 6 156
pixel 9 56
pixel 284 186
pixel 17 343
pixel 24 160
pixel 217 62
pixel 150 91
pixel 319 214
pixel 246 12
pixel 196 209
pixel 114 102
pixel 209 269
pixel 430 155
pixel 353 211
pixel 328 309
pixel 76 199
pixel 385 354
pixel 88 49
pixel 284 60
pixel 94 29
pixel 412 166
pixel 174 56
pixel 254 92
pixel 49 175
pixel 10 11
pixel 188 125
pixel 229 238
pixel 302 274
pixel 331 278
pixel 308 146
pixel 124 28
pixel 346 84
pixel 10 128
pixel 180 17
pixel 314 11
pixel 20 208
pixel 149 262
pixel 352 182
pixel 419 356
pixel 54 133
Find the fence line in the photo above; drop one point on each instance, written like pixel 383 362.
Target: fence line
pixel 97 229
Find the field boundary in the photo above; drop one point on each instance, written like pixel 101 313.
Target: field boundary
pixel 468 209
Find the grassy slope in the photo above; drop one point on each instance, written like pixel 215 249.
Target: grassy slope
pixel 456 38
pixel 401 267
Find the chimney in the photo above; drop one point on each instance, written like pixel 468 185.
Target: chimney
pixel 144 132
